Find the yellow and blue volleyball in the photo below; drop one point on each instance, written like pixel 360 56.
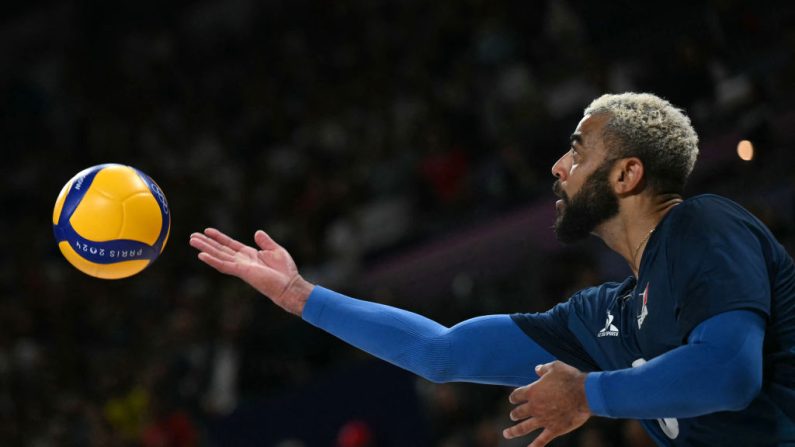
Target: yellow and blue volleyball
pixel 111 221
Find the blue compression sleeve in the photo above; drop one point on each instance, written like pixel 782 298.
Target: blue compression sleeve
pixel 490 349
pixel 719 369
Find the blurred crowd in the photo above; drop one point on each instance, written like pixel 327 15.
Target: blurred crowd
pixel 353 132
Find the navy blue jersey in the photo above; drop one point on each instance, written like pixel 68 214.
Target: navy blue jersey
pixel 707 256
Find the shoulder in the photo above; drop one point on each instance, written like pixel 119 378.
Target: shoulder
pixel 709 217
pixel 709 237
pixel 588 301
pixel 704 208
pixel 596 299
pixel 606 290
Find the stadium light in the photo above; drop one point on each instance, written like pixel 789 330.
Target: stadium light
pixel 745 150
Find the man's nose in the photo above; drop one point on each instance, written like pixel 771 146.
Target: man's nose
pixel 559 169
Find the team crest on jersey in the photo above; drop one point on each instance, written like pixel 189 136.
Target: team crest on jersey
pixel 610 329
pixel 644 311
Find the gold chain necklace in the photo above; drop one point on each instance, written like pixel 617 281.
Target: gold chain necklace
pixel 645 239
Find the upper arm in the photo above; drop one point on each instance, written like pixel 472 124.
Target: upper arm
pixel 731 344
pixel 719 369
pixel 720 266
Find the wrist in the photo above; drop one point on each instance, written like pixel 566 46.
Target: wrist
pixel 296 294
pixel 594 394
pixel 583 406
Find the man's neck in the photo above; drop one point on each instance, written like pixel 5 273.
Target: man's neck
pixel 628 233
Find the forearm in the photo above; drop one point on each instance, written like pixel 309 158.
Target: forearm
pixel 720 369
pixel 489 349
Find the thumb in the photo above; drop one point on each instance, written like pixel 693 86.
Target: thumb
pixel 264 241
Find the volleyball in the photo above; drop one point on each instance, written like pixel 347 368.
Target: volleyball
pixel 111 221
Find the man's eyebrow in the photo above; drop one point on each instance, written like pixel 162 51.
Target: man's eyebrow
pixel 575 138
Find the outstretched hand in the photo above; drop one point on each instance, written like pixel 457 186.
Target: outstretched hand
pixel 555 403
pixel 271 270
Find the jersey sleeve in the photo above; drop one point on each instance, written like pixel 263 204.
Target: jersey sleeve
pixel 719 369
pixel 489 349
pixel 551 331
pixel 718 265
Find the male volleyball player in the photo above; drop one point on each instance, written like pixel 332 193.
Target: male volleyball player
pixel 699 343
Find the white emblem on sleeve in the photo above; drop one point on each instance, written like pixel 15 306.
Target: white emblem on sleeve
pixel 669 426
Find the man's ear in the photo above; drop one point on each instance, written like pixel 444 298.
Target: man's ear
pixel 629 176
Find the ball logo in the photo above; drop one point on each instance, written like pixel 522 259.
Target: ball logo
pixel 126 253
pixel 86 248
pixel 79 182
pixel 161 198
pixel 101 252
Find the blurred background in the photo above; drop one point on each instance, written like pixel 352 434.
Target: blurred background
pixel 399 149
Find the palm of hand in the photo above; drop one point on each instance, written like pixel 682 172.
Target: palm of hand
pixel 270 270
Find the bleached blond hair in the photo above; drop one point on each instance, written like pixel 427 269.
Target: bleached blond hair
pixel 650 128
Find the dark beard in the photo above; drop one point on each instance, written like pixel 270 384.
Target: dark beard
pixel 582 213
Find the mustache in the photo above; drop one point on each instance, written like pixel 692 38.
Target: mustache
pixel 559 192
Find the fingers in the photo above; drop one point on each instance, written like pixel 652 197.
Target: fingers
pixel 223 239
pixel 209 246
pixel 518 395
pixel 222 266
pixel 520 412
pixel 264 241
pixel 521 429
pixel 213 243
pixel 543 369
pixel 543 439
pixel 525 428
